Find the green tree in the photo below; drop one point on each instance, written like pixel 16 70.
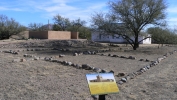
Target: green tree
pixel 9 27
pixel 134 14
pixel 162 35
pixel 76 24
pixel 84 33
pixel 56 27
pixel 61 22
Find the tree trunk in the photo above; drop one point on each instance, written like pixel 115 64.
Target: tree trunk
pixel 136 44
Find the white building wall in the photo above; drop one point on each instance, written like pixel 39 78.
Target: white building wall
pixel 115 39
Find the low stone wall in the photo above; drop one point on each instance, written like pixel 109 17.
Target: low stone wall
pixel 53 35
pixel 38 34
pixel 59 35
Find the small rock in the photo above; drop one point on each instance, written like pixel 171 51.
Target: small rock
pixel 61 55
pixel 147 60
pixel 25 55
pixel 98 70
pixel 89 52
pixel 120 82
pixel 102 55
pixel 50 59
pixel 69 63
pixel 81 53
pixel 132 75
pixel 78 66
pixel 123 79
pixel 58 61
pixel 36 58
pixel 75 54
pixel 120 74
pixel 6 51
pixel 159 59
pixel 115 56
pixel 16 60
pixel 104 71
pixel 141 60
pixel 93 52
pixel 22 60
pixel 131 57
pixel 109 54
pixel 111 71
pixel 84 66
pixel 122 57
pixel 46 59
pixel 127 77
pixel 64 62
pixel 54 60
pixel 15 53
pixel 148 67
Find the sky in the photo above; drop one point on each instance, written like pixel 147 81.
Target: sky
pixel 40 11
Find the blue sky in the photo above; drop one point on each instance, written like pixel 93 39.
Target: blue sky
pixel 40 11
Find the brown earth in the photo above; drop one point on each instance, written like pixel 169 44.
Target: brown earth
pixel 41 80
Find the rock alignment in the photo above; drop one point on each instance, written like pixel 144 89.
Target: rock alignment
pixel 94 69
pixel 143 69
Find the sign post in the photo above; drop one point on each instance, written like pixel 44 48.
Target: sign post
pixel 102 97
pixel 101 84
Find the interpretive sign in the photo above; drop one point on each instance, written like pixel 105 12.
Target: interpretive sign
pixel 102 83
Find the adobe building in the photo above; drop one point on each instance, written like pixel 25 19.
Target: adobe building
pixel 53 35
pixel 100 79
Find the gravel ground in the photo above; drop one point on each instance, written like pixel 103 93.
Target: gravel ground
pixel 42 80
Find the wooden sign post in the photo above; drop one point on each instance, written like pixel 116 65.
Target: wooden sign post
pixel 101 84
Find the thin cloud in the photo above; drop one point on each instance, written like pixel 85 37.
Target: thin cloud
pixel 46 9
pixel 70 9
pixel 10 9
pixel 173 19
pixel 3 8
pixel 172 10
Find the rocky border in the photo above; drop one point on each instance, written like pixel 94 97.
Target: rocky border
pixel 144 69
pixel 88 67
pixel 123 80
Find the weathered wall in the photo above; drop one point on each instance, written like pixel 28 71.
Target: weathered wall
pixel 59 35
pixel 38 34
pixel 74 35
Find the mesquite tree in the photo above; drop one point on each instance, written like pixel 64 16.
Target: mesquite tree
pixel 134 16
pixel 9 27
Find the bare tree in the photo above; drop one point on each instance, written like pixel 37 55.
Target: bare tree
pixel 134 16
pixel 62 22
pixel 36 27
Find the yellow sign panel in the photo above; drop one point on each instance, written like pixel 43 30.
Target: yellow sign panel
pixel 102 83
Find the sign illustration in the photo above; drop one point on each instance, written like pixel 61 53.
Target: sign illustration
pixel 102 83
